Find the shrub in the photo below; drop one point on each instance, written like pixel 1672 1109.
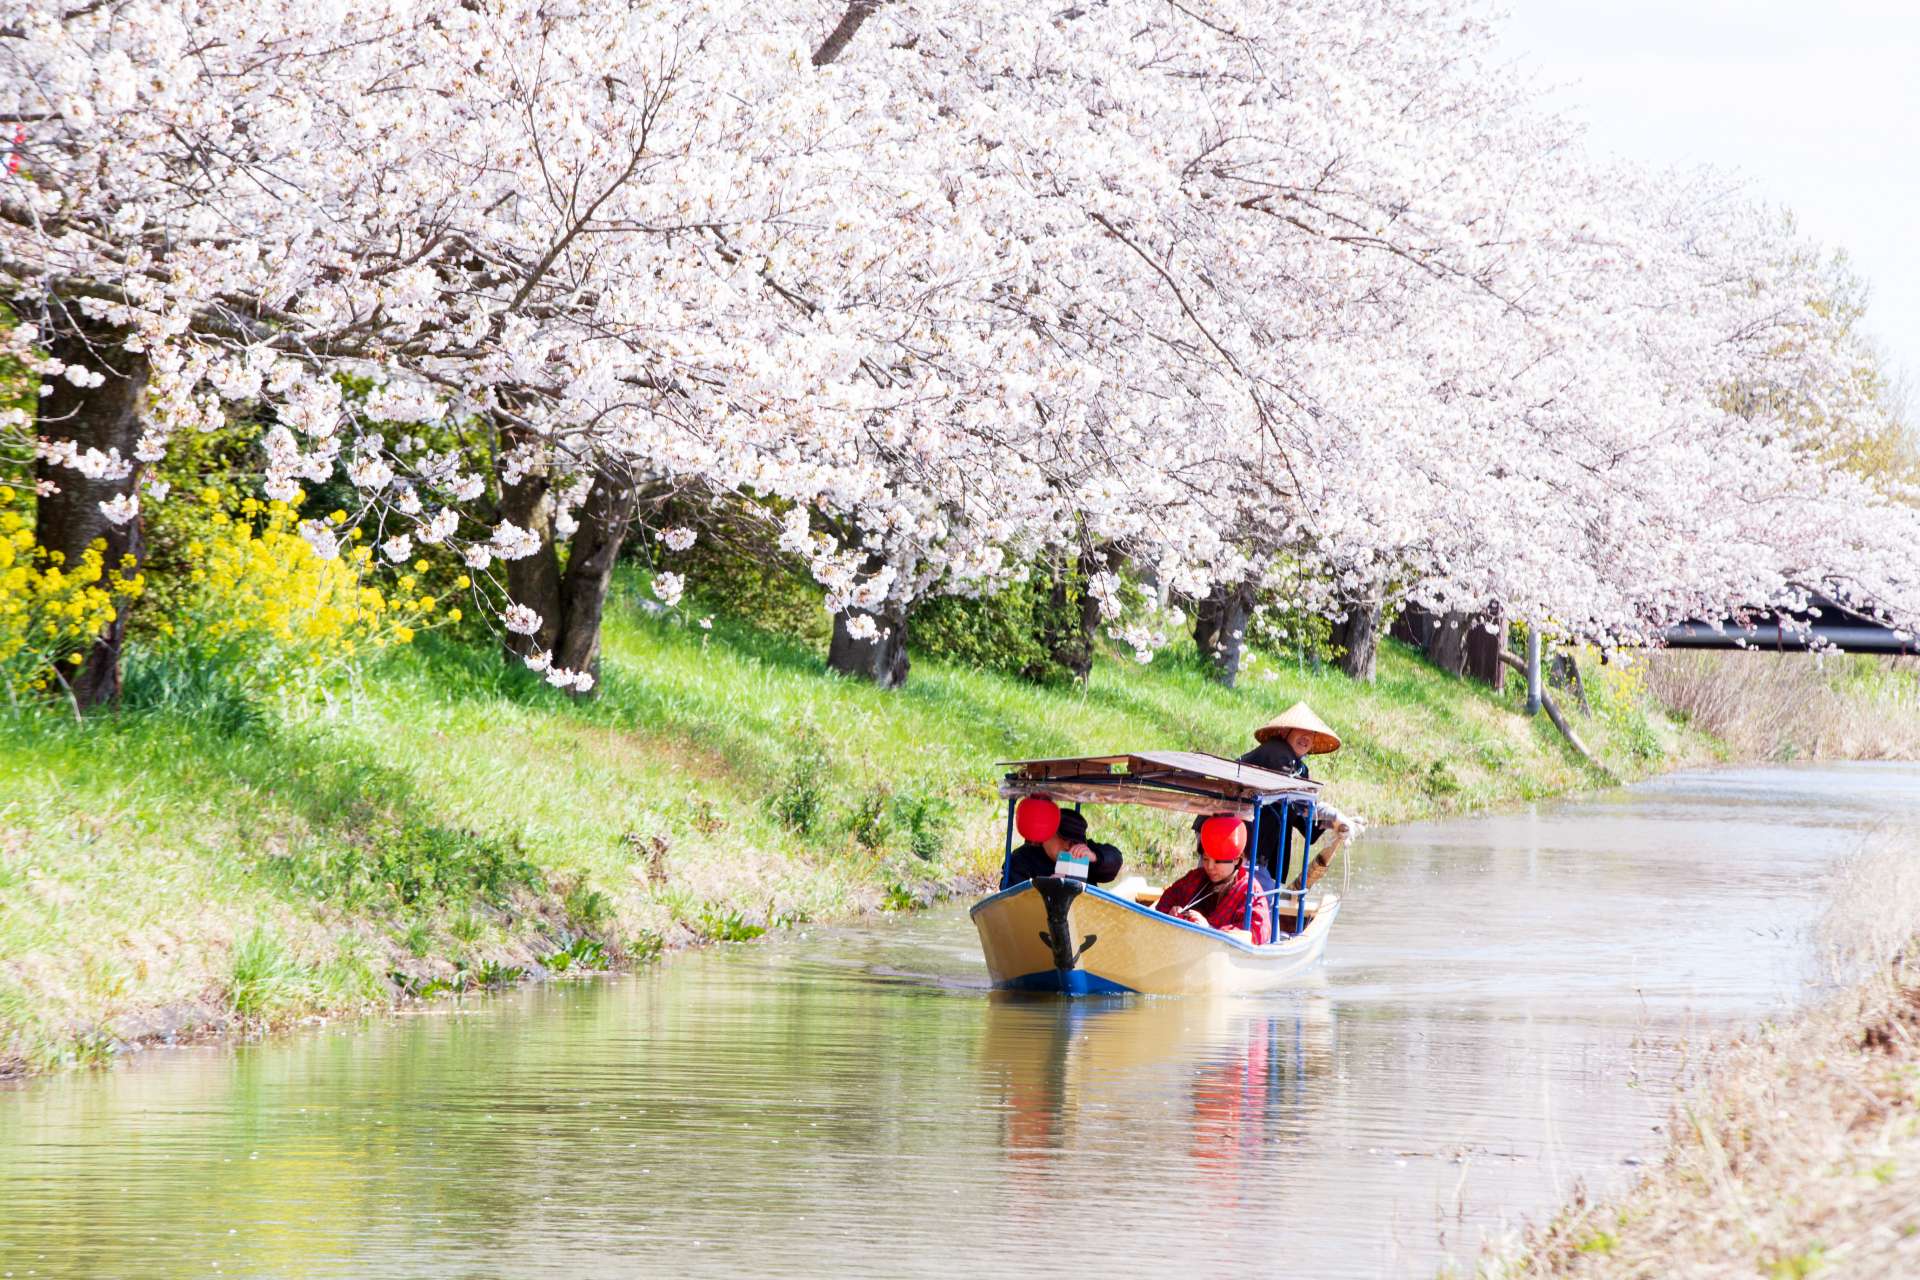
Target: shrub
pixel 50 611
pixel 266 611
pixel 415 865
pixel 735 568
pixel 869 820
pixel 927 820
pixel 998 631
pixel 466 928
pixel 587 908
pixel 581 955
pixel 726 924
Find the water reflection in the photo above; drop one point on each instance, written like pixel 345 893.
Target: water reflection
pixel 1503 1008
pixel 1054 1063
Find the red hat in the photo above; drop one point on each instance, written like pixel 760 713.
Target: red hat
pixel 1223 838
pixel 1036 818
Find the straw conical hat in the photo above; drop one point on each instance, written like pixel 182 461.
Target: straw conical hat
pixel 1300 716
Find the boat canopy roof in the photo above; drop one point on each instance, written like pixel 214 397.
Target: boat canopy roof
pixel 1182 781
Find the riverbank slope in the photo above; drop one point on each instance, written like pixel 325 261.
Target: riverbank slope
pixel 212 865
pixel 1797 1153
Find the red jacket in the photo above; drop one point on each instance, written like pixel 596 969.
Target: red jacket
pixel 1224 907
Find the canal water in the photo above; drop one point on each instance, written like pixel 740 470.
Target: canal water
pixel 1505 1007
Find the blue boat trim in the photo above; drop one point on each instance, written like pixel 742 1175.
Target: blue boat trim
pixel 1073 982
pixel 1158 917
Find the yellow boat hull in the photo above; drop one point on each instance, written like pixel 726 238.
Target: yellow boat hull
pixel 1078 939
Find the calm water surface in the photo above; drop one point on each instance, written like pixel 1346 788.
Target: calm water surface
pixel 1503 1011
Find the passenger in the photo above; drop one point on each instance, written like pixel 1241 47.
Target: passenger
pixel 1215 892
pixel 1036 858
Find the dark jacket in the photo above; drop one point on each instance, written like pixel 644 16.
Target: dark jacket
pixel 1275 756
pixel 1032 860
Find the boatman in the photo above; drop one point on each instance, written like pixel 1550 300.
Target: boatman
pixel 1040 857
pixel 1285 742
pixel 1283 745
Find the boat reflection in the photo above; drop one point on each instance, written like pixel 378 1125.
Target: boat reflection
pixel 1206 1082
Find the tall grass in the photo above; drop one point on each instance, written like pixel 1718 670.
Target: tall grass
pixel 1785 706
pixel 265 977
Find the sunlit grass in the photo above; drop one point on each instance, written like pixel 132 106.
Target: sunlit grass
pixel 456 813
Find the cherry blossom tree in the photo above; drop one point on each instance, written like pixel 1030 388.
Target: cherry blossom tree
pixel 944 288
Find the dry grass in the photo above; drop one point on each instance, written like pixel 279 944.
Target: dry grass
pixel 1798 1154
pixel 1784 706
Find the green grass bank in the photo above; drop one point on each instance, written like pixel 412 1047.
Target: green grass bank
pixel 209 866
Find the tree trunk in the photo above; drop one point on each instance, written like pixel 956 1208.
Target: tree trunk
pixel 534 580
pixel 1553 714
pixel 69 519
pixel 1414 626
pixel 605 518
pixel 1483 650
pixel 1448 648
pixel 571 603
pixel 1220 628
pixel 881 659
pixel 1359 635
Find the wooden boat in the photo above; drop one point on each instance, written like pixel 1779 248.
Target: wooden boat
pixel 1061 934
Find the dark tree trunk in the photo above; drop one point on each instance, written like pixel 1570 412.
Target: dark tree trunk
pixel 1414 626
pixel 1359 635
pixel 1448 648
pixel 1483 650
pixel 571 603
pixel 605 518
pixel 69 519
pixel 881 659
pixel 534 580
pixel 1220 628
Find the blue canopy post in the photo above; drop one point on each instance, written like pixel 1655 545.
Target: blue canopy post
pixel 1006 858
pixel 1306 860
pixel 1278 871
pixel 1253 864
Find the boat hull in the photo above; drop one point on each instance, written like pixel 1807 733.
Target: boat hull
pixel 1076 939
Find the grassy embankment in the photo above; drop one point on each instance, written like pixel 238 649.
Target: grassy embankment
pixel 207 866
pixel 1797 1153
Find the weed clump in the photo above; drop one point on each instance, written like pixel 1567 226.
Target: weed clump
pixel 408 863
pixel 800 802
pixel 265 977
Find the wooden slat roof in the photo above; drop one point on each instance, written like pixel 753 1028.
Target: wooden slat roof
pixel 1183 781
